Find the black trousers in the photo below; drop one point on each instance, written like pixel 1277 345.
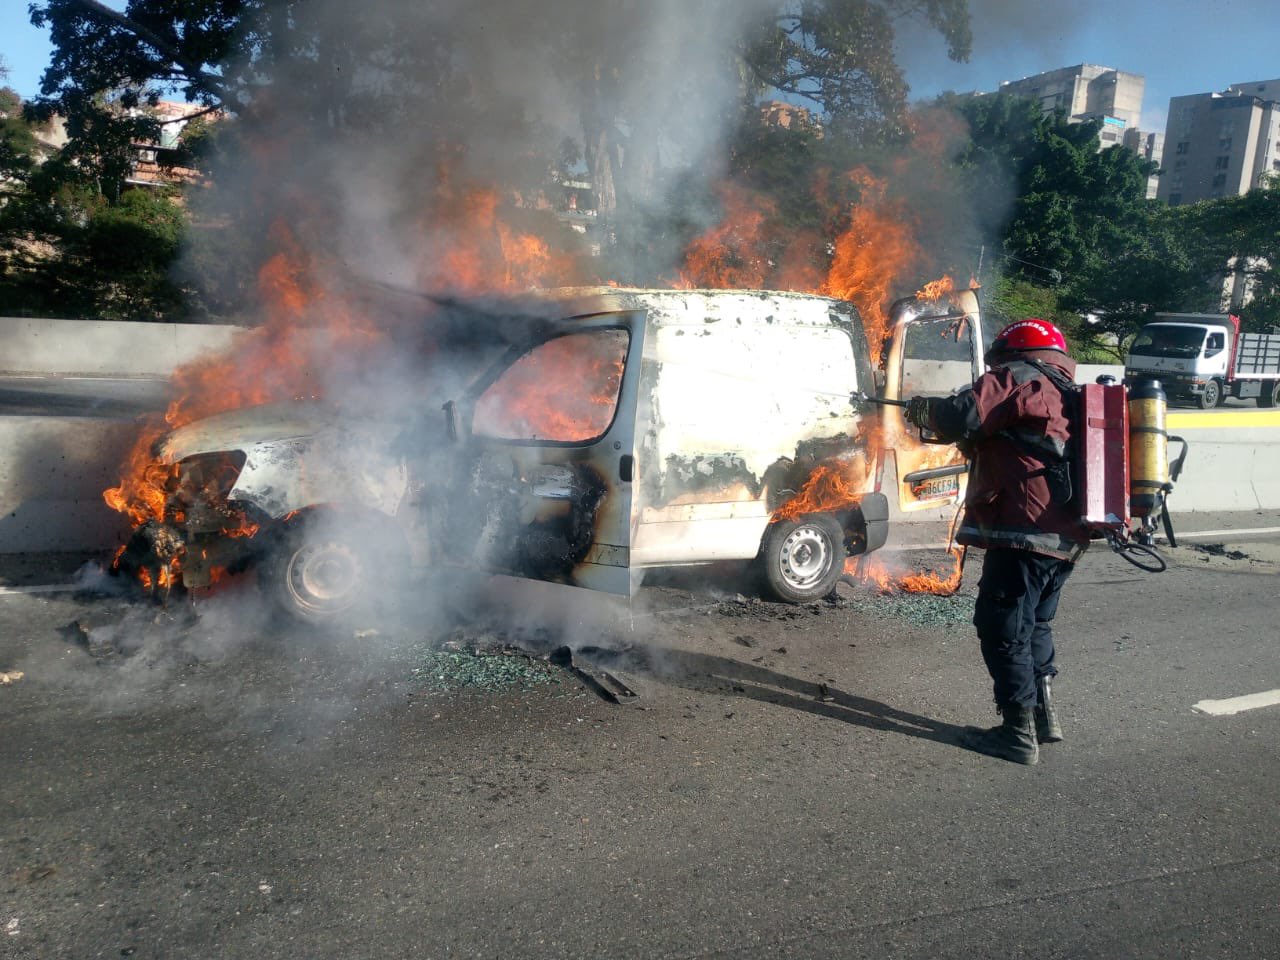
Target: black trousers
pixel 1017 600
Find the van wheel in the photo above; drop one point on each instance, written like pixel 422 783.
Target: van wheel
pixel 803 559
pixel 316 581
pixel 320 573
pixel 1270 395
pixel 1212 395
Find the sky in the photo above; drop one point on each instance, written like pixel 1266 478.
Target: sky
pixel 1179 46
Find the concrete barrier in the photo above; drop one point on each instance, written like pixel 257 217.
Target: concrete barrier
pixel 1233 462
pixel 53 468
pixel 52 474
pixel 102 348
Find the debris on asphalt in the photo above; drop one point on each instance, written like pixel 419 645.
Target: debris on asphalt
pixel 34 874
pixel 506 669
pixel 10 676
pixel 96 640
pixel 500 662
pixel 920 609
pixel 598 680
pixel 824 694
pixel 1219 550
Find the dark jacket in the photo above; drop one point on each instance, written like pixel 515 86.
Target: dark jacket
pixel 1012 423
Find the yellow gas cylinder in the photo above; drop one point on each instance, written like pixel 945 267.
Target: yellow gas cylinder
pixel 1148 446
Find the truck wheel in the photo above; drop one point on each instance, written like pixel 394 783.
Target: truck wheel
pixel 1270 395
pixel 803 559
pixel 1212 395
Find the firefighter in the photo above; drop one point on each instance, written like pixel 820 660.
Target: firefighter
pixel 1013 424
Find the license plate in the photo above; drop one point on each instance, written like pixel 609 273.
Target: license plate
pixel 939 488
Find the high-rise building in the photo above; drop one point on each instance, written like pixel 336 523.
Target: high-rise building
pixel 1087 92
pixel 1149 146
pixel 1221 144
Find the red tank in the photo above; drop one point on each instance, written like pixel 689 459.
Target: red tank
pixel 1104 456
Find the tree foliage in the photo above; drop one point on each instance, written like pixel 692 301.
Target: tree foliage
pixel 1074 220
pixel 838 54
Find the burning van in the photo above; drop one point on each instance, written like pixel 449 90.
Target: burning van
pixel 622 430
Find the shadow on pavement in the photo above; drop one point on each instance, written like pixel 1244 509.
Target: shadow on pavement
pixel 701 672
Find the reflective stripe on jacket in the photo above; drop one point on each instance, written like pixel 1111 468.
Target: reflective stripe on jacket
pixel 1012 422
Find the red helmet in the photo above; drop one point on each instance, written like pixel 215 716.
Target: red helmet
pixel 1029 334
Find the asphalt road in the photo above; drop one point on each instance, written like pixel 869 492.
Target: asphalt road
pixel 235 789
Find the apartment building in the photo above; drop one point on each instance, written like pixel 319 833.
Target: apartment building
pixel 1087 91
pixel 1221 144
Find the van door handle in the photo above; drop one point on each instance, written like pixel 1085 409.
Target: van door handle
pixel 626 468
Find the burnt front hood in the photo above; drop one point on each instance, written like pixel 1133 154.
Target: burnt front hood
pixel 246 427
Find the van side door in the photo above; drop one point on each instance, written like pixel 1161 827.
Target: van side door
pixel 542 486
pixel 935 348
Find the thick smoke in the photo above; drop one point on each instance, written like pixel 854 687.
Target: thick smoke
pixel 376 188
pixel 371 148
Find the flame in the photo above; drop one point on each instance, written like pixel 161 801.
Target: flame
pixel 875 570
pixel 476 247
pixel 481 240
pixel 731 255
pixel 277 361
pixel 566 390
pixel 937 289
pixel 874 249
pixel 874 245
pixel 832 486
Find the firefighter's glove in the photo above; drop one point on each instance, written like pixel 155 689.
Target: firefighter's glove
pixel 918 411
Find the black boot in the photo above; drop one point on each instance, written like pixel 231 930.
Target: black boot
pixel 1048 729
pixel 1014 739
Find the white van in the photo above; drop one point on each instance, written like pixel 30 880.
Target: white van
pixel 630 429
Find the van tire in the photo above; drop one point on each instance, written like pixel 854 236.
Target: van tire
pixel 318 576
pixel 1212 395
pixel 803 559
pixel 1270 395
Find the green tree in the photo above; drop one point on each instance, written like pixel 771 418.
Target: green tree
pixel 1246 231
pixel 18 143
pixel 838 54
pixel 1074 219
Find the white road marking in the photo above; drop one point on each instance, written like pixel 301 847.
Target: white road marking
pixel 40 588
pixel 1225 708
pixel 1220 533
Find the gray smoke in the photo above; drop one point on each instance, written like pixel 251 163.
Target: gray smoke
pixel 367 146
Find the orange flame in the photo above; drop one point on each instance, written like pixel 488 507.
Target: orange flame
pixel 731 255
pixel 305 324
pixel 874 569
pixel 870 255
pixel 566 390
pixel 937 289
pixel 832 486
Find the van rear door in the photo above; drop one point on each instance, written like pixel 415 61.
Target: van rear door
pixel 543 483
pixel 935 347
